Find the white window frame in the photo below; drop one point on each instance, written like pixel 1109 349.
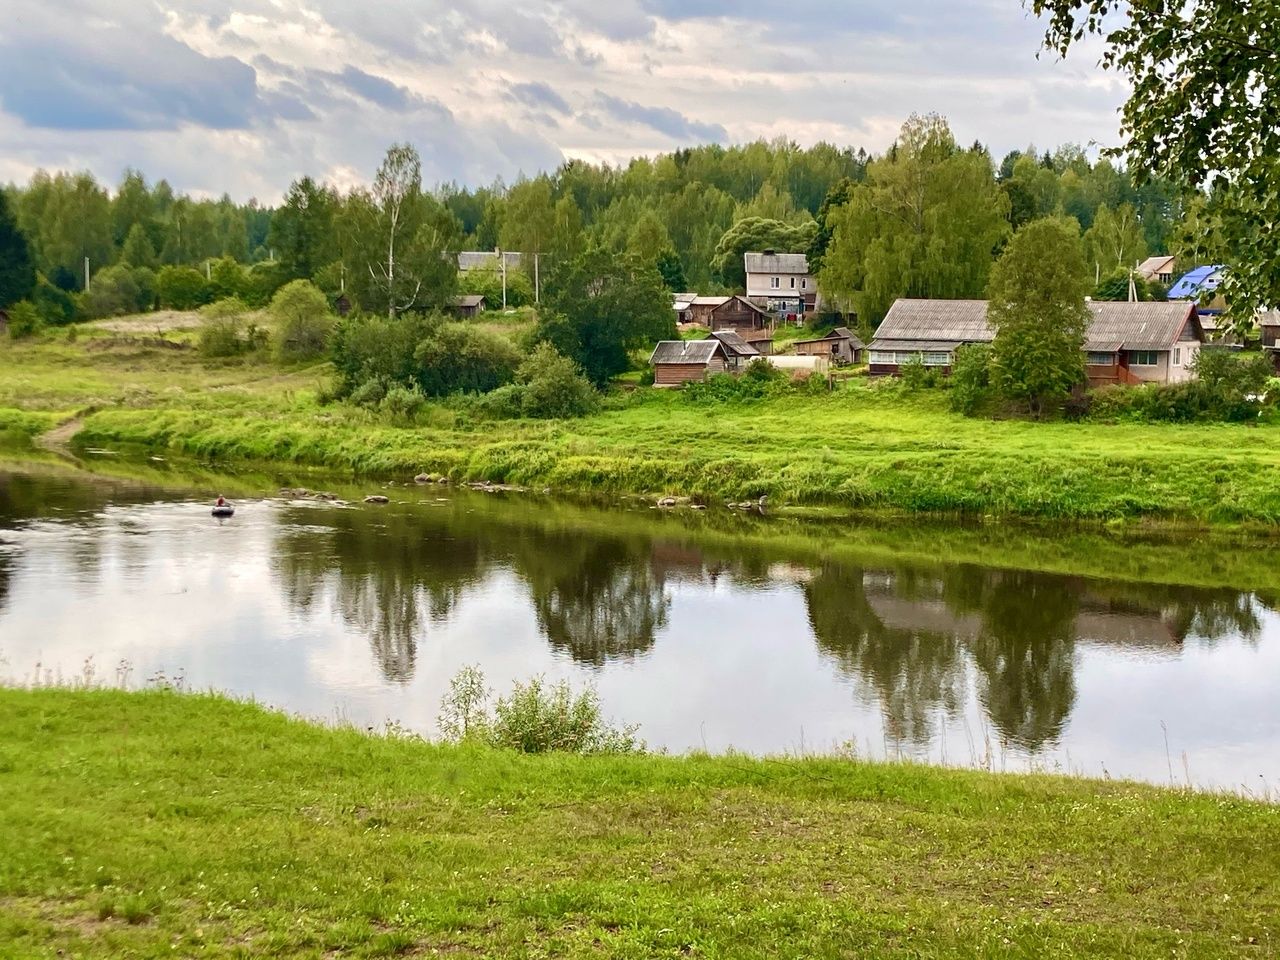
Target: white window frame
pixel 1177 356
pixel 774 283
pixel 1092 356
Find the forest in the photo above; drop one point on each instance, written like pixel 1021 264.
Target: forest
pixel 926 218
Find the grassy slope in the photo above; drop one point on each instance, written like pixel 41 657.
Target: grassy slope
pixel 859 446
pixel 139 825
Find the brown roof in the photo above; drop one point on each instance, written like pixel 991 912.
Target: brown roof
pixel 468 300
pixel 839 333
pixel 734 343
pixel 686 351
pixel 1137 326
pixel 755 336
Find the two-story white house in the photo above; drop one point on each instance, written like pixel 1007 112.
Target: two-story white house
pixel 781 282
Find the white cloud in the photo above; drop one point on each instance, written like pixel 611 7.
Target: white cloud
pixel 246 95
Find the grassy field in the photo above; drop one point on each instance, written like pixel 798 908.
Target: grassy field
pixel 861 447
pixel 160 824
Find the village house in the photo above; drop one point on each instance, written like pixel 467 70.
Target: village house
pixel 494 260
pixel 1269 329
pixel 467 305
pixel 677 362
pixel 841 345
pixel 1153 342
pixel 1194 284
pixel 728 313
pixel 782 282
pixel 682 304
pixel 738 352
pixel 1157 270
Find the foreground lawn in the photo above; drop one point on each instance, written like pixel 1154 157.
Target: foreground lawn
pixel 862 446
pixel 156 824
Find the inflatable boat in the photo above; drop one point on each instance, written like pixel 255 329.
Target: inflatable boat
pixel 224 510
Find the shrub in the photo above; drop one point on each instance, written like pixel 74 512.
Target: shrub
pixel 113 291
pixel 303 321
pixel 488 283
pixel 402 403
pixel 370 393
pixel 535 717
pixel 916 376
pixel 261 281
pixel 227 279
pixel 760 379
pixel 971 378
pixel 554 387
pixel 367 347
pixel 224 332
pixel 458 358
pixel 504 403
pixel 181 288
pixel 24 320
pixel 56 306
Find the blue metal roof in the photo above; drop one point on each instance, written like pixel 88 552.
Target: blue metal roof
pixel 1195 282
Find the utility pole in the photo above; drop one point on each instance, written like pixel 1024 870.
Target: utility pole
pixel 86 274
pixel 537 287
pixel 208 271
pixel 503 255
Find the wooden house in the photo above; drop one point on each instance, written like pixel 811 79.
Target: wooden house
pixel 761 339
pixel 1154 342
pixel 467 305
pixel 1269 328
pixel 676 362
pixel 841 345
pixel 728 313
pixel 738 352
pixel 682 304
pixel 1157 270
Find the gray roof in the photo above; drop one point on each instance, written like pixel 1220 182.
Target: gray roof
pixel 734 343
pixel 926 345
pixel 770 262
pixel 686 351
pixel 487 260
pixel 1152 266
pixel 1137 326
pixel 468 300
pixel 839 333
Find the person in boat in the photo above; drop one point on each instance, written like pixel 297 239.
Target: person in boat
pixel 222 502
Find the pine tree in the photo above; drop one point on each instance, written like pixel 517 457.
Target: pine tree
pixel 17 271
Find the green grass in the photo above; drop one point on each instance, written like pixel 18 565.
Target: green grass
pixel 862 447
pixel 160 824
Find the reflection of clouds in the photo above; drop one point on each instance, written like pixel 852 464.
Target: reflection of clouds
pixel 701 650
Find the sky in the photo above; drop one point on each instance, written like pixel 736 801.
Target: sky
pixel 244 96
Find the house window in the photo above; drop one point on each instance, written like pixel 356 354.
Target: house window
pixel 793 283
pixel 883 356
pixel 937 358
pixel 1099 358
pixel 803 283
pixel 774 283
pixel 1177 356
pixel 1143 358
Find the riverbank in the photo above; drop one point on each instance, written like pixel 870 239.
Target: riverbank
pixel 861 447
pixel 149 824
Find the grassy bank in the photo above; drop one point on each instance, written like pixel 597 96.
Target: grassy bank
pixel 158 824
pixel 858 447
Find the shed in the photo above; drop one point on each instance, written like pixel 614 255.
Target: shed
pixel 842 345
pixel 728 313
pixel 761 339
pixel 738 352
pixel 676 362
pixel 468 304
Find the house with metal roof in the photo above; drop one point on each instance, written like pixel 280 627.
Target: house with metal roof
pixel 1157 270
pixel 676 362
pixel 728 313
pixel 781 282
pixel 1152 342
pixel 1194 284
pixel 738 352
pixel 489 260
pixel 467 304
pixel 841 345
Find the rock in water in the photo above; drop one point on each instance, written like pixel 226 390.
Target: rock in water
pixel 377 498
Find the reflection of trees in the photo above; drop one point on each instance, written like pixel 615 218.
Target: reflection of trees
pixel 914 672
pixel 596 599
pixel 391 572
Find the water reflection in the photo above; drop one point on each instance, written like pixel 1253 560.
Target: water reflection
pixel 407 592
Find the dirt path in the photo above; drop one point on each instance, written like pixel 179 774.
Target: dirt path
pixel 58 440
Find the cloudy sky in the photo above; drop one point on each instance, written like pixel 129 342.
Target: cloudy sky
pixel 245 95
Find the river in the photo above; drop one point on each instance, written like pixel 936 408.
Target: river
pixel 710 631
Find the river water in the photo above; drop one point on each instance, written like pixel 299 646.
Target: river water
pixel 709 631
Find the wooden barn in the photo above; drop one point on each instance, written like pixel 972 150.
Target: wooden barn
pixel 676 362
pixel 728 313
pixel 738 352
pixel 761 339
pixel 1269 327
pixel 841 345
pixel 467 305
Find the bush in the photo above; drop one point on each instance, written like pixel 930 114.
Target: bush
pixel 227 279
pixel 760 379
pixel 971 378
pixel 535 717
pixel 181 288
pixel 554 387
pixel 112 293
pixel 370 393
pixel 402 403
pixel 224 332
pixel 24 320
pixel 303 321
pixel 504 403
pixel 916 376
pixel 488 283
pixel 459 358
pixel 261 281
pixel 56 306
pixel 369 348
pixel 1229 387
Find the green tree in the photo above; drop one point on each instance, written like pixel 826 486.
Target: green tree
pixel 1037 308
pixel 66 218
pixel 113 292
pixel 132 207
pixel 301 231
pixel 1203 76
pixel 554 387
pixel 302 320
pixel 755 234
pixel 461 358
pixel 17 271
pixel 836 198
pixel 671 270
pixel 24 320
pixel 181 288
pixel 601 306
pixel 926 223
pixel 138 250
pixel 406 242
pixel 1115 240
